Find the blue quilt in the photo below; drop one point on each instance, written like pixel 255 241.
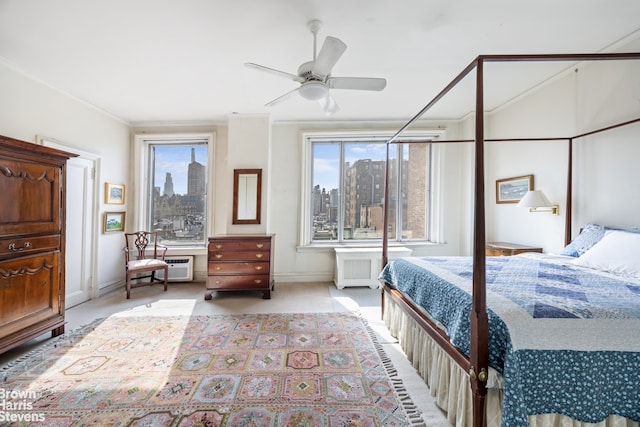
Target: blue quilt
pixel 565 339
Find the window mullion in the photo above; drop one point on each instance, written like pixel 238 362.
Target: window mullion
pixel 151 182
pixel 341 194
pixel 398 184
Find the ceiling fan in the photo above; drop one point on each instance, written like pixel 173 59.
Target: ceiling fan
pixel 315 76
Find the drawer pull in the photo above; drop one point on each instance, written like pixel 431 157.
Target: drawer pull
pixel 258 255
pixel 218 256
pixel 258 267
pixel 259 245
pixel 14 248
pixel 217 267
pixel 217 282
pixel 219 246
pixel 258 281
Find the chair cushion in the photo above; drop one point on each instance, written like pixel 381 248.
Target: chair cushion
pixel 143 263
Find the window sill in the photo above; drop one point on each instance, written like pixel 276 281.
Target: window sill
pixel 186 250
pixel 329 247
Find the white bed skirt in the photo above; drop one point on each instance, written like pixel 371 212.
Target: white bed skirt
pixel 449 384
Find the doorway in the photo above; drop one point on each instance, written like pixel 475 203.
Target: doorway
pixel 80 235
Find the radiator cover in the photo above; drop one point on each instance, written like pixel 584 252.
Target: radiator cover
pixel 361 266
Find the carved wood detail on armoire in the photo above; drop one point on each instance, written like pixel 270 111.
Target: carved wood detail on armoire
pixel 32 237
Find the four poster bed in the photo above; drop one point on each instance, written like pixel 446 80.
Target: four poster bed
pixel 532 339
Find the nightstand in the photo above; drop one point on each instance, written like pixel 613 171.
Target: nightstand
pixel 507 249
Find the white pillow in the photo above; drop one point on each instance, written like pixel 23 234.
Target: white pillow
pixel 617 252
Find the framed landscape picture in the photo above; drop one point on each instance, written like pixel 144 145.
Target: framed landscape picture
pixel 113 221
pixel 511 190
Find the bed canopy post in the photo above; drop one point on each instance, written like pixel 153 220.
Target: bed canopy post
pixel 569 208
pixel 385 224
pixel 479 349
pixel 476 363
pixel 385 217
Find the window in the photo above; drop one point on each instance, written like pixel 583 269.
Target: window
pixel 346 174
pixel 175 182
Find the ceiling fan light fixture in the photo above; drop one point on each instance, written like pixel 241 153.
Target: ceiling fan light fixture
pixel 313 90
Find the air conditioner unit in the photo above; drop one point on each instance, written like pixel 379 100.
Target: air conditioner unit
pixel 180 269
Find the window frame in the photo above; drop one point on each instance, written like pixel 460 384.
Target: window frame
pixel 308 138
pixel 141 165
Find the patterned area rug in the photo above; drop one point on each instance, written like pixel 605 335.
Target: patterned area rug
pixel 253 370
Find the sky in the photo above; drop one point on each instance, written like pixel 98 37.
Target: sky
pixel 176 159
pixel 326 160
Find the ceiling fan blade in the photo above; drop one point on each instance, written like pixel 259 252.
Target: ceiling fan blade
pixel 332 49
pixel 284 74
pixel 329 105
pixel 281 98
pixel 357 83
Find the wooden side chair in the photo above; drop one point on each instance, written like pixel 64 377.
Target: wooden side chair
pixel 143 258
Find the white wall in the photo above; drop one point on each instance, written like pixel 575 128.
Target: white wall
pixel 293 263
pixel 568 106
pixel 547 113
pixel 252 141
pixel 243 142
pixel 29 108
pixel 592 96
pixel 248 147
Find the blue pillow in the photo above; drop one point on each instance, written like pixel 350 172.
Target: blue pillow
pixel 590 235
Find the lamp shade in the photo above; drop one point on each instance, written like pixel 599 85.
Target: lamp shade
pixel 534 199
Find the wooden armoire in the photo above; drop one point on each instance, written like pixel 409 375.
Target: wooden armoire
pixel 32 230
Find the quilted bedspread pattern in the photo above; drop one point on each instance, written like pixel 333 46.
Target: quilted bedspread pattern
pixel 566 339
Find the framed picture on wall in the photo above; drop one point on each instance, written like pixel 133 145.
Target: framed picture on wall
pixel 113 221
pixel 511 190
pixel 113 193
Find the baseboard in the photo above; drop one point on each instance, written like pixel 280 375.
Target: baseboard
pixel 303 277
pixel 105 289
pixel 294 277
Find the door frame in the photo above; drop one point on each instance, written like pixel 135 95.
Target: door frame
pixel 94 235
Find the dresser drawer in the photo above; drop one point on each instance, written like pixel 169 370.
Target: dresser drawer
pixel 239 245
pixel 238 282
pixel 238 268
pixel 10 247
pixel 238 256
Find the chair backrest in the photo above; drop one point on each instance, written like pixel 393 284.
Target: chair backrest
pixel 141 242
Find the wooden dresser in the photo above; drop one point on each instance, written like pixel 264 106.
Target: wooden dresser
pixel 32 185
pixel 240 263
pixel 508 249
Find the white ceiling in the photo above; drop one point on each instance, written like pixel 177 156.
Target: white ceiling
pixel 173 61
